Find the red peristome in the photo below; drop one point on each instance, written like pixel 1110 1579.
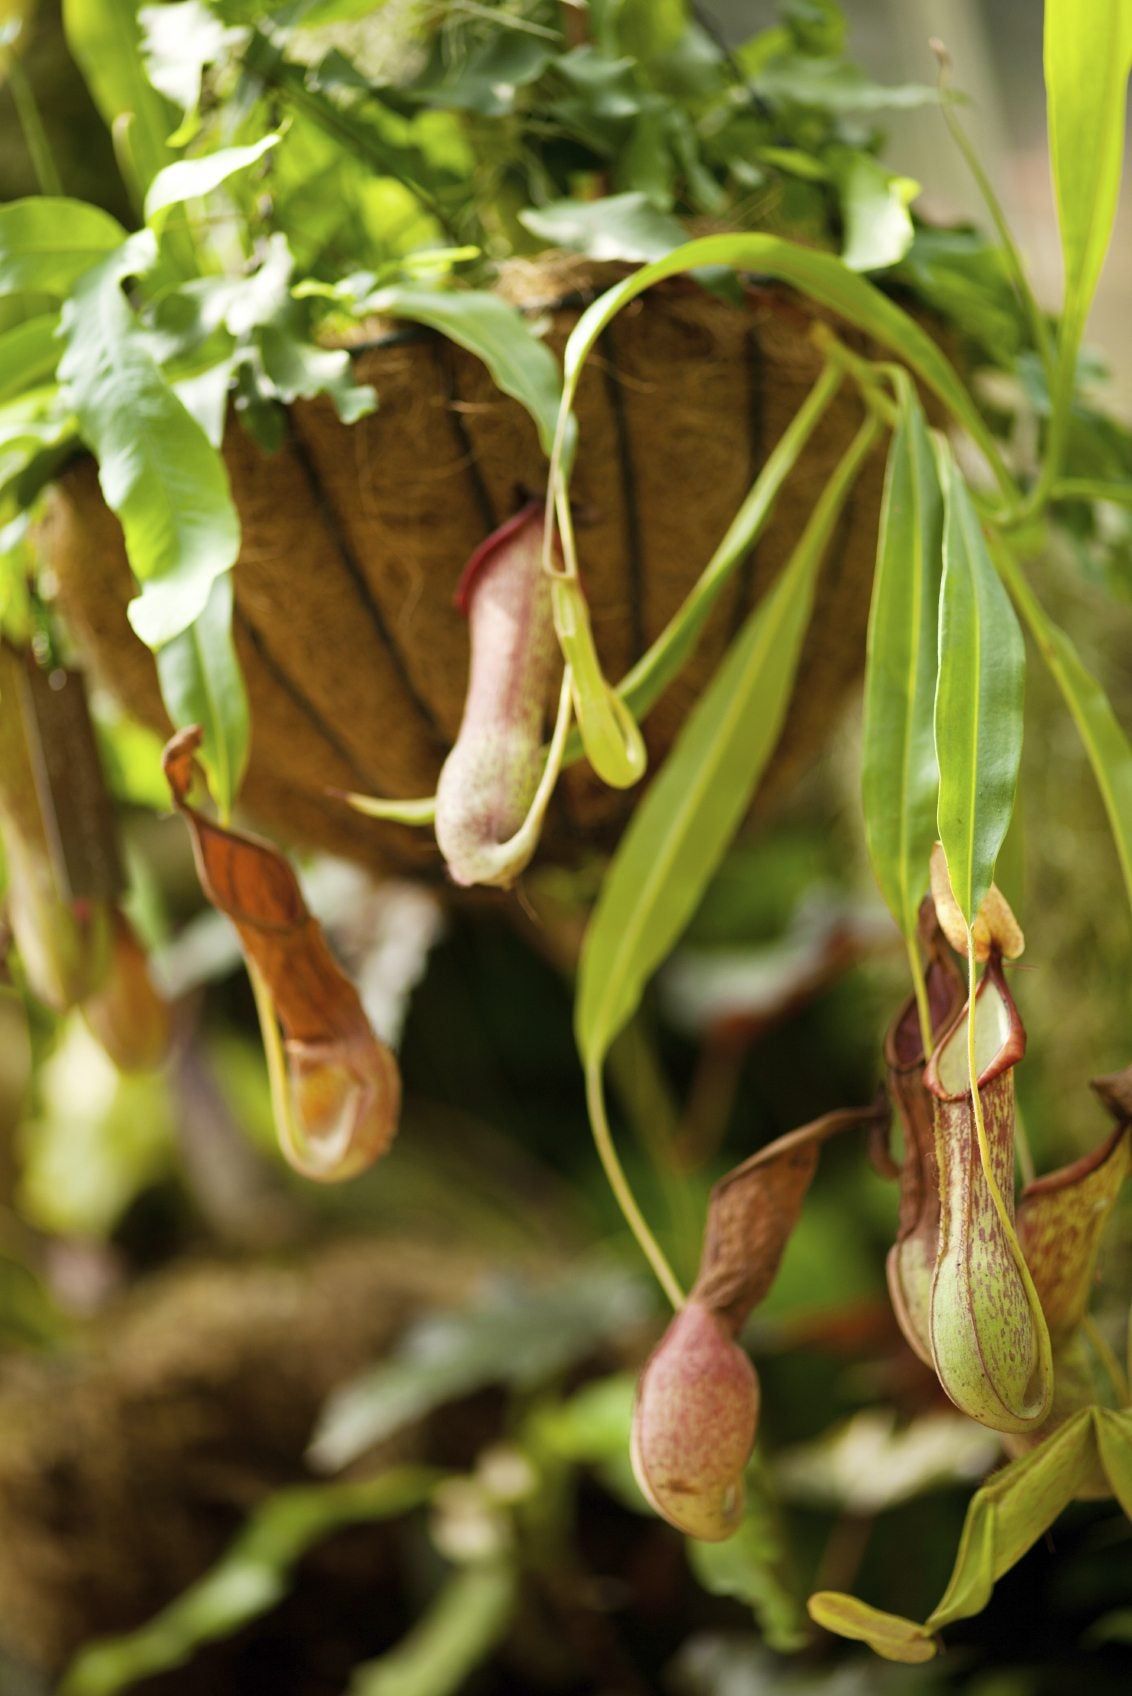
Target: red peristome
pixel 480 560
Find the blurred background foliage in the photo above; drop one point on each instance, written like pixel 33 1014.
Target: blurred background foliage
pixel 418 1387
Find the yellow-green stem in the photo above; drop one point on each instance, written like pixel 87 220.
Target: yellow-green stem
pixel 920 989
pixel 623 1194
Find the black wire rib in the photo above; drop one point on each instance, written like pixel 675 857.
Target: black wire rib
pixel 297 695
pixel 442 357
pixel 633 551
pixel 756 436
pixel 361 583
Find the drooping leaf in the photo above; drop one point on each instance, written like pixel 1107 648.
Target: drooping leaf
pixel 337 1105
pixel 158 471
pixel 682 828
pixel 252 1577
pixel 899 776
pixel 455 1634
pixel 192 179
pixel 626 226
pixel 201 683
pixel 491 329
pixel 46 245
pixel 887 1635
pixel 1010 1513
pixel 978 708
pixel 1105 741
pixel 1005 1518
pixel 1087 61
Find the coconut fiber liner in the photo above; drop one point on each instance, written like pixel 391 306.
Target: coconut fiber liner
pixel 354 539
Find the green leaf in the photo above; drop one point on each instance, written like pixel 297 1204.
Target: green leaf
pixel 874 209
pixel 46 244
pixel 978 707
pixel 1010 1512
pixel 835 85
pixel 105 42
pixel 1114 1443
pixel 826 280
pixel 158 471
pixel 495 332
pixel 1104 739
pixel 192 179
pixel 682 827
pixel 459 1630
pixel 29 353
pixel 619 226
pixel 508 1336
pixel 1006 1517
pixel 1087 60
pixel 201 683
pixel 247 1581
pixel 899 777
pixel 888 1635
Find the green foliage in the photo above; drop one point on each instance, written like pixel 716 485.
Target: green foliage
pixel 158 471
pixel 899 777
pixel 978 707
pixel 47 244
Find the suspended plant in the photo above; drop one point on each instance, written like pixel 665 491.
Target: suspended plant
pixel 160 350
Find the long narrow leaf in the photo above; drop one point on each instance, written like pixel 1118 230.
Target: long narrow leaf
pixel 1088 54
pixel 1104 738
pixel 683 826
pixel 900 780
pixel 978 707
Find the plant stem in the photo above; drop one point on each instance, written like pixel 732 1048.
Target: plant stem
pixel 619 1184
pixel 1043 341
pixel 33 131
pixel 920 989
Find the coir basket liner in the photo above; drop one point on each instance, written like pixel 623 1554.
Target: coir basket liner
pixel 354 539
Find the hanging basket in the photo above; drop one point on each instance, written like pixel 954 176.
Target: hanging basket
pixel 354 538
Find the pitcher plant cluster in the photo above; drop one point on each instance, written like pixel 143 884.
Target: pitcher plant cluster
pixel 991 1291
